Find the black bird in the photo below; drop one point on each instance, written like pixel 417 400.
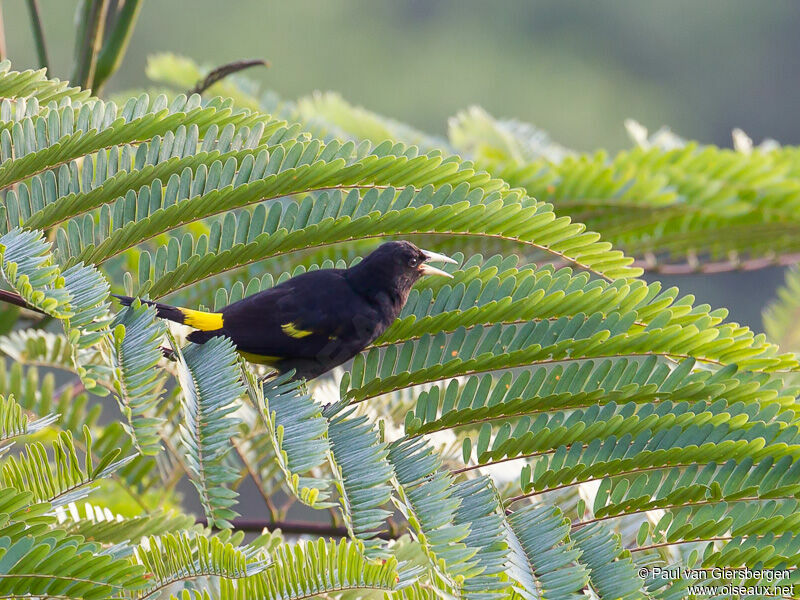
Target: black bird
pixel 317 320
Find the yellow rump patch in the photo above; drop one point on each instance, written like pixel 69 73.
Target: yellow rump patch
pixel 204 321
pixel 259 359
pixel 292 331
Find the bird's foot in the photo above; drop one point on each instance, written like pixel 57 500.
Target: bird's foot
pixel 268 376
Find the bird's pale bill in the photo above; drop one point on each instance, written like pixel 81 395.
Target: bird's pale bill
pixel 435 257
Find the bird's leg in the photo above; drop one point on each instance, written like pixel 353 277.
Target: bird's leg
pixel 268 376
pixel 168 353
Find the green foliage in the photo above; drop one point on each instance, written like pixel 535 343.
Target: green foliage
pixel 297 432
pixel 553 401
pixel 171 558
pixel 37 556
pixel 677 206
pixel 541 556
pixel 428 498
pixel 28 268
pixel 781 316
pixel 612 573
pixel 361 473
pixel 314 568
pixel 32 89
pixel 102 526
pixel 14 422
pixel 58 566
pixel 68 481
pixel 208 400
pixel 138 381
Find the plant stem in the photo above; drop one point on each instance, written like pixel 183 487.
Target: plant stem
pixel 3 54
pixel 273 512
pixel 17 300
pixel 223 71
pixel 81 25
pixel 75 387
pixel 113 51
pixel 38 33
pixel 90 36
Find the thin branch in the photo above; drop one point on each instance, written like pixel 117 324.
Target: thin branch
pixel 579 524
pixel 221 72
pixel 38 33
pixel 116 45
pixel 75 387
pixel 17 300
pixel 510 501
pixel 695 266
pixel 676 542
pixel 273 511
pixel 297 528
pixel 90 36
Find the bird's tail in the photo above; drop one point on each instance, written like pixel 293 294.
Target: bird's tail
pixel 208 324
pixel 164 311
pixel 201 337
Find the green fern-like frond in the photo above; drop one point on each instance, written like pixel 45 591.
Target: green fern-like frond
pixel 172 558
pixel 316 568
pixel 35 392
pixel 481 510
pixel 543 562
pixel 296 167
pixel 63 480
pixel 689 205
pixel 15 423
pixel 70 133
pixel 88 325
pixel 781 316
pixel 660 430
pixel 16 85
pixel 612 573
pixel 138 382
pixel 330 114
pixel 591 383
pixel 37 347
pixel 477 134
pixel 77 295
pixel 491 348
pixel 101 525
pixel 57 566
pixel 426 496
pixel 297 431
pixel 209 397
pixel 37 556
pixel 361 474
pixel 28 268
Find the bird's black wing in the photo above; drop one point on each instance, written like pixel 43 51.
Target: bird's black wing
pixel 301 318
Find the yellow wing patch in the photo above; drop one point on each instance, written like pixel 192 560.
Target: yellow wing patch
pixel 259 359
pixel 204 321
pixel 292 331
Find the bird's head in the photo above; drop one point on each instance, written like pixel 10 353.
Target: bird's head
pixel 399 265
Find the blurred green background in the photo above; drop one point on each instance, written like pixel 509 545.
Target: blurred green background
pixel 576 69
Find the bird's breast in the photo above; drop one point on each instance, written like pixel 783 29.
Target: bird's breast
pixel 387 308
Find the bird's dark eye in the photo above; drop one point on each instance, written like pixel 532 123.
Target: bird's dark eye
pixel 413 262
